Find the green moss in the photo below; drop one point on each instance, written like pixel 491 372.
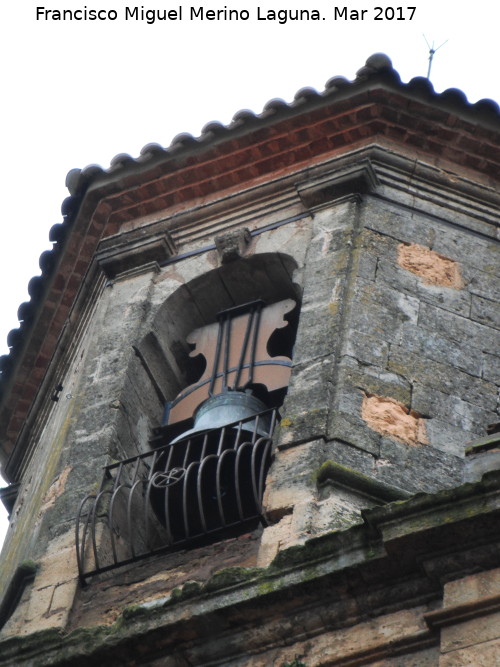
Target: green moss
pixel 231 576
pixel 29 567
pixel 131 611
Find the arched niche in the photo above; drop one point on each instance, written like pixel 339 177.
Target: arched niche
pixel 164 351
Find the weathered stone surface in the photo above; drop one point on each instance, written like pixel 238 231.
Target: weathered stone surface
pixel 450 408
pixel 470 633
pixel 472 335
pixel 425 468
pixel 352 430
pixel 472 588
pixel 382 311
pixel 429 266
pixel 388 219
pixel 391 418
pixel 491 368
pixel 233 245
pixel 479 655
pixel 486 311
pixel 444 377
pixel 434 346
pixel 467 249
pixel 291 477
pixel 367 349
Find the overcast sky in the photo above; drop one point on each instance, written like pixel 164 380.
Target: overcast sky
pixel 79 92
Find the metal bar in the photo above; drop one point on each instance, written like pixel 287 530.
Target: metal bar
pixel 227 333
pixel 147 497
pixel 216 360
pixel 187 452
pixel 266 362
pixel 254 232
pixel 94 512
pixel 129 515
pixel 184 497
pixel 80 554
pixel 237 461
pixel 221 440
pixel 238 435
pixel 220 486
pixel 244 346
pixel 254 344
pixel 204 447
pixel 110 518
pixel 263 471
pixel 199 490
pixel 166 502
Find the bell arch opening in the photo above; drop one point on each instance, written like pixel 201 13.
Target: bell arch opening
pixel 167 350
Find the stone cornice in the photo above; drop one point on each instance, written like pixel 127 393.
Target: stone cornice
pixel 383 576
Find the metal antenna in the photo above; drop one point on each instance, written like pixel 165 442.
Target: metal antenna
pixel 432 51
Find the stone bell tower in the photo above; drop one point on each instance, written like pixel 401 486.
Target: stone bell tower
pixel 250 414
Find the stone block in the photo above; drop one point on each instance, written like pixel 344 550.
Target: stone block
pixel 274 538
pixel 366 348
pixel 291 477
pixel 448 438
pixel 449 408
pixel 63 597
pixel 463 330
pixel 339 509
pixel 317 335
pixel 59 564
pixel 39 604
pixel 378 310
pixel 429 344
pixel 353 431
pixel 389 272
pixel 472 588
pixel 491 368
pixel 486 311
pixel 478 655
pixel 417 469
pixel 366 266
pixel 466 248
pixel 483 282
pixel 337 218
pixel 442 376
pixel 294 237
pixel 306 405
pixel 454 301
pixel 354 378
pixel 351 645
pixel 350 456
pixel 387 219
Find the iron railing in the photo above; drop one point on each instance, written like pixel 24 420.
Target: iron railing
pixel 183 492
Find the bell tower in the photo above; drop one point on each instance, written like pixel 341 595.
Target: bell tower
pixel 250 414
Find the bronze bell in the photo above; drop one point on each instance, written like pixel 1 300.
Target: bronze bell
pixel 228 408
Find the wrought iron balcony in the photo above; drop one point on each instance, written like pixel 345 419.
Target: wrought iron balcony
pixel 185 492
